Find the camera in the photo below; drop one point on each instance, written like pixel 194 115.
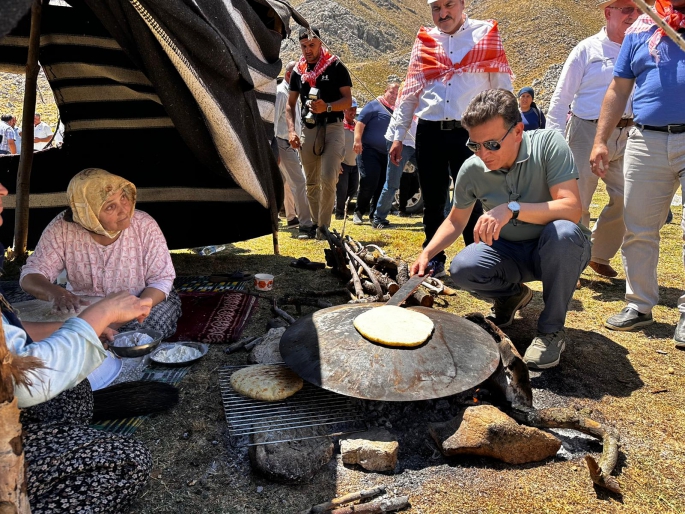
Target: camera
pixel 310 118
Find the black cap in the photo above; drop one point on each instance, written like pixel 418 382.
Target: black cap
pixel 304 33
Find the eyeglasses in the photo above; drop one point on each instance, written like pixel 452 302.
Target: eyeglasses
pixel 624 10
pixel 493 146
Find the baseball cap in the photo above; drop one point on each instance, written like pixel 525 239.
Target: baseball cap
pixel 354 103
pixel 304 32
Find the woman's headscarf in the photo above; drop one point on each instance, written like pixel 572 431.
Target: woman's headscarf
pixel 87 193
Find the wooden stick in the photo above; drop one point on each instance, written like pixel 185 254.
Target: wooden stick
pixel 358 290
pixel 600 472
pixel 237 346
pixel 21 220
pixel 386 505
pixel 280 312
pixel 253 343
pixel 379 289
pixel 402 273
pixel 351 497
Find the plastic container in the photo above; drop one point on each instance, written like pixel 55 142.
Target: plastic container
pixel 263 282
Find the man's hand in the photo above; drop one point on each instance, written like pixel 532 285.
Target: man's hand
pixel 66 301
pixel 294 140
pixel 318 106
pixel 599 159
pixel 420 265
pixel 396 152
pixel 357 147
pixel 490 224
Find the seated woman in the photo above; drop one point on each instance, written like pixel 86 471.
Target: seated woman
pixel 105 246
pixel 69 466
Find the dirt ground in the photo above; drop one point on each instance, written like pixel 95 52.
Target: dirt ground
pixel 199 468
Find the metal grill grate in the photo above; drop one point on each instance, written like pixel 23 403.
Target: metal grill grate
pixel 309 407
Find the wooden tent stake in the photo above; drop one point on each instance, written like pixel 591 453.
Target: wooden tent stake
pixel 21 221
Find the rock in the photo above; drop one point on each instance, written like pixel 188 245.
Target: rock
pixel 374 450
pixel 268 352
pixel 293 461
pixel 486 431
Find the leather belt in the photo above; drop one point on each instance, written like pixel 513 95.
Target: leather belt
pixel 442 124
pixel 671 129
pixel 623 123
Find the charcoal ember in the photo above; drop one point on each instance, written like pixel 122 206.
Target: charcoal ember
pixel 292 461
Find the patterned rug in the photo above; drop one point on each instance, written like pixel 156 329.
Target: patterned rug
pixel 201 284
pixel 127 426
pixel 213 317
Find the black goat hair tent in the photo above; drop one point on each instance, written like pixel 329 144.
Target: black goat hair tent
pixel 175 95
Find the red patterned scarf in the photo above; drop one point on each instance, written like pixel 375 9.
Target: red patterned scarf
pixel 674 19
pixel 325 59
pixel 385 103
pixel 349 126
pixel 430 62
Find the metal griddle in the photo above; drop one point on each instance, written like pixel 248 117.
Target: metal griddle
pixel 325 349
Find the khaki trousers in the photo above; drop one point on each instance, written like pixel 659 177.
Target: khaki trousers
pixel 322 171
pixel 654 169
pixel 608 231
pixel 295 200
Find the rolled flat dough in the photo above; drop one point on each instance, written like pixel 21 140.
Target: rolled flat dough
pixel 40 310
pixel 394 326
pixel 264 382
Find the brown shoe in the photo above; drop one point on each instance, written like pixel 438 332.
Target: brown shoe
pixel 603 269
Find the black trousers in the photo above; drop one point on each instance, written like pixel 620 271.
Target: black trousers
pixel 372 166
pixel 440 153
pixel 348 181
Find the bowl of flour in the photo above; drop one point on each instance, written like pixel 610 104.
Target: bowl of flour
pixel 178 354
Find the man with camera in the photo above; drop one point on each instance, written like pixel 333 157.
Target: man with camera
pixel 325 88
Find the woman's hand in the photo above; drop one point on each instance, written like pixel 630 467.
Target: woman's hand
pixel 116 308
pixel 64 301
pixel 107 335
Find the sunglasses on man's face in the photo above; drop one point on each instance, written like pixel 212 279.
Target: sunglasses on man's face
pixel 624 10
pixel 493 145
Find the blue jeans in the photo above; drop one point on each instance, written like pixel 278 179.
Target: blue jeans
pixel 392 181
pixel 372 165
pixel 557 258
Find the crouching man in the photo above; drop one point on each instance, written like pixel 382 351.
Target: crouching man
pixel 529 231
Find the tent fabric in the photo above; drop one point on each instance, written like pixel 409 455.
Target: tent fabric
pixel 175 95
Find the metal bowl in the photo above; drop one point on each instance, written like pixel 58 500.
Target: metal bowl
pixel 136 351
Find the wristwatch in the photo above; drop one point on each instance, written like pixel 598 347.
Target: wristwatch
pixel 514 207
pixel 329 107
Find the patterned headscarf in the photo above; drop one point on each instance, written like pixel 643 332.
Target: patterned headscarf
pixel 87 193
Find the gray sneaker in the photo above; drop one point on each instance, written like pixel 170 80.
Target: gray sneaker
pixel 504 309
pixel 545 350
pixel 357 219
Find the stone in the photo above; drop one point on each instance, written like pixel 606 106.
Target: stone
pixel 268 350
pixel 486 431
pixel 292 461
pixel 373 450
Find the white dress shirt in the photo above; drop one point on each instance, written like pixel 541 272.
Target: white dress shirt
pixel 584 79
pixel 410 135
pixel 447 100
pixel 280 124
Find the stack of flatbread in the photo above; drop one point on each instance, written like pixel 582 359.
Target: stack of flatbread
pixel 266 382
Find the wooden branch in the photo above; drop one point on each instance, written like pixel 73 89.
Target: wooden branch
pixel 379 290
pixel 422 298
pixel 253 343
pixel 358 290
pixel 386 282
pixel 240 344
pixel 402 273
pixel 21 221
pixel 385 505
pixel 600 473
pixel 351 497
pixel 280 312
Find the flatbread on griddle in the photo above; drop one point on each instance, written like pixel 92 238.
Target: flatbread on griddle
pixel 267 383
pixel 394 326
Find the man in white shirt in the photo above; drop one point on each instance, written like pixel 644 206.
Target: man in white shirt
pixel 8 145
pixel 449 65
pixel 42 133
pixel 586 75
pixel 290 165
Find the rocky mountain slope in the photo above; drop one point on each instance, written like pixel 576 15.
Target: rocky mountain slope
pixel 374 38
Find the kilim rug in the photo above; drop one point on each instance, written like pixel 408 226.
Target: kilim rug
pixel 213 317
pixel 201 284
pixel 129 425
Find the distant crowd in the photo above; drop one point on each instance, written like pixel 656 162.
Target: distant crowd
pixel 10 135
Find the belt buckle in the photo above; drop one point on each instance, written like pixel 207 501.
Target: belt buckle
pixel 447 124
pixel 681 129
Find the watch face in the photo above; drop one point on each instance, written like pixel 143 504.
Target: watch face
pixel 514 206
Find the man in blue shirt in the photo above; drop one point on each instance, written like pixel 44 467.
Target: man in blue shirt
pixel 654 157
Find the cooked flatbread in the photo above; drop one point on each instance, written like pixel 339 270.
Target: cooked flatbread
pixel 267 383
pixel 394 326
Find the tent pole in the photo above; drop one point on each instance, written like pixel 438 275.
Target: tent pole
pixel 21 220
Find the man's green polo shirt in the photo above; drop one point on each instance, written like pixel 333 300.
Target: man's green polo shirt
pixel 544 160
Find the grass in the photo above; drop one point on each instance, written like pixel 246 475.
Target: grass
pixel 612 374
